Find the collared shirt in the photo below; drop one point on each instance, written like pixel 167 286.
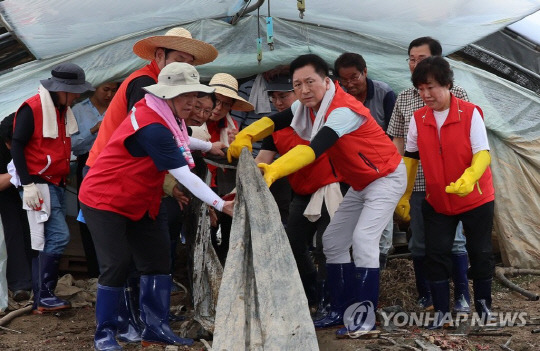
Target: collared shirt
pixel 87 116
pixel 407 102
pixel 380 100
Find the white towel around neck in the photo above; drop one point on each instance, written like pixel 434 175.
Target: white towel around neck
pixel 50 127
pixel 301 122
pixel 258 96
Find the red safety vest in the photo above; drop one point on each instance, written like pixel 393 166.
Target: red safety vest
pixel 46 157
pixel 445 158
pixel 309 179
pixel 117 111
pixel 121 183
pixel 366 154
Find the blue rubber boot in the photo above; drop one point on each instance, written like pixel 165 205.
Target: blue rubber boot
pixel 482 299
pixel 422 286
pixel 155 302
pixel 130 326
pixel 440 293
pixel 462 298
pixel 339 280
pixel 362 320
pixel 48 278
pixel 107 318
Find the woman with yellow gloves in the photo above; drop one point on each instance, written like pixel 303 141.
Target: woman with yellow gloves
pixel 335 123
pixel 449 136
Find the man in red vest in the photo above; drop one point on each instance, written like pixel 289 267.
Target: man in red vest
pixel 315 186
pixel 336 124
pixel 176 45
pixel 41 150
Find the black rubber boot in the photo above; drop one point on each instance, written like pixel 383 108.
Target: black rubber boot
pixel 482 299
pixel 48 278
pixel 422 286
pixel 462 298
pixel 440 293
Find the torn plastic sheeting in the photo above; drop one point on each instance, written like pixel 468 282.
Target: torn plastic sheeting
pixel 261 305
pixel 207 270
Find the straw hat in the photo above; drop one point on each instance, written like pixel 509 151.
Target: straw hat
pixel 227 85
pixel 177 78
pixel 178 39
pixel 67 77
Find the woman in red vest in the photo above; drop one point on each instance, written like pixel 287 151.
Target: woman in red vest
pixel 449 136
pixel 120 199
pixel 334 123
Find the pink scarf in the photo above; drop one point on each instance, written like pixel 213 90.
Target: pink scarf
pixel 179 132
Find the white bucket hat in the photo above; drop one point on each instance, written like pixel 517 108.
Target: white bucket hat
pixel 175 79
pixel 227 85
pixel 178 39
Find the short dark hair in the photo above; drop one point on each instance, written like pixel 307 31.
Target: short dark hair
pixel 434 67
pixel 6 128
pixel 349 59
pixel 212 97
pixel 320 66
pixel 434 46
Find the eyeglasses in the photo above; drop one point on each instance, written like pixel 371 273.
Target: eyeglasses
pixel 198 110
pixel 413 61
pixel 283 96
pixel 225 105
pixel 353 79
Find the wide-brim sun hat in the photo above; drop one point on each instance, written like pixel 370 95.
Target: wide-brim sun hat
pixel 175 79
pixel 67 77
pixel 279 83
pixel 178 39
pixel 227 85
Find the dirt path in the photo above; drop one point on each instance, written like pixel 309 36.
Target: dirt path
pixel 73 329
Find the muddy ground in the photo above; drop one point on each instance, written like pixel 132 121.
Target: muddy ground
pixel 73 329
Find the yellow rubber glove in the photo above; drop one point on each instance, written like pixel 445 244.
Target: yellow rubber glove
pixel 297 158
pixel 403 207
pixel 465 184
pixel 254 132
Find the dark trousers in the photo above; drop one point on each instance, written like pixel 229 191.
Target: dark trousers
pixel 17 236
pixel 281 190
pixel 88 245
pixel 300 232
pixel 119 240
pixel 174 224
pixel 440 231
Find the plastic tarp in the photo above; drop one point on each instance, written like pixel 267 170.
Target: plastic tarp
pixel 529 27
pixel 55 27
pixel 261 304
pixel 379 30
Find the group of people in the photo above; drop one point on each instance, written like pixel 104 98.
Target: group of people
pixel 348 148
